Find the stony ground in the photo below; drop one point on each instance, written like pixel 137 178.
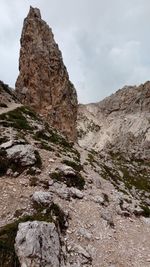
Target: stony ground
pixel 103 230
pixel 110 239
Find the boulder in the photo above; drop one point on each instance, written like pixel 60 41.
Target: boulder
pixel 24 154
pixel 42 198
pixel 38 244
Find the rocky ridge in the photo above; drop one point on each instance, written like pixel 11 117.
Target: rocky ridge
pixel 43 82
pixel 7 96
pixel 120 121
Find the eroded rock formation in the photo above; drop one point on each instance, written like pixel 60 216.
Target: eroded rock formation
pixel 120 122
pixel 43 82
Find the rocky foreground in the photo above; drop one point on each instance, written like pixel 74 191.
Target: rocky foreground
pixel 65 204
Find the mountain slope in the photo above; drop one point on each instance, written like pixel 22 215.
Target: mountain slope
pixel 121 121
pixel 65 204
pixel 7 96
pixel 50 186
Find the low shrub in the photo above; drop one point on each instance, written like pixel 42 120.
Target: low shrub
pixel 71 180
pixel 16 119
pixel 76 166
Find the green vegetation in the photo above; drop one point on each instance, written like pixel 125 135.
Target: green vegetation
pixel 8 233
pixel 28 111
pixel 52 136
pixel 136 177
pixel 3 162
pixel 3 139
pixel 75 180
pixel 59 215
pixel 140 182
pixel 38 159
pixel 16 119
pixel 81 133
pixel 15 164
pixel 45 184
pixel 53 213
pixel 146 210
pixel 3 105
pixel 90 127
pixel 91 159
pixel 42 135
pixel 8 256
pixel 106 198
pixel 34 181
pixel 46 146
pixel 76 166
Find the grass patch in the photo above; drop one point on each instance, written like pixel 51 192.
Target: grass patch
pixel 138 179
pixel 71 180
pixel 15 164
pixel 38 159
pixel 8 257
pixel 52 136
pixel 134 173
pixel 91 159
pixel 34 181
pixel 3 105
pixel 47 147
pixel 76 166
pixel 3 139
pixel 3 162
pixel 16 119
pixel 28 111
pixel 146 210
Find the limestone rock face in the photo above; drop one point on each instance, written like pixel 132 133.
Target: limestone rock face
pixel 42 198
pixel 24 154
pixel 121 122
pixel 43 82
pixel 37 244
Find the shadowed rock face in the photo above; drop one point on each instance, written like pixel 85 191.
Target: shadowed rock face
pixel 43 82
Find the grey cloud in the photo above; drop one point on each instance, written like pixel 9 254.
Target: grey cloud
pixel 105 44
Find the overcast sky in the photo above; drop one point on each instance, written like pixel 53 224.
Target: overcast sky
pixel 105 43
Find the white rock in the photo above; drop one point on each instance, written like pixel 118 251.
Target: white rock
pixel 80 250
pixel 76 193
pixel 24 153
pixel 83 232
pixel 7 144
pixel 107 216
pixel 42 198
pixel 98 199
pixel 37 244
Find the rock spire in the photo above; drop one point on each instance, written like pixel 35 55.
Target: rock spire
pixel 43 82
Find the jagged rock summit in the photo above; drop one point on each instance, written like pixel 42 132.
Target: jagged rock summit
pixel 43 82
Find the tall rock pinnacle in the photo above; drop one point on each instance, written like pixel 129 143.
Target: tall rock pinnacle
pixel 43 82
